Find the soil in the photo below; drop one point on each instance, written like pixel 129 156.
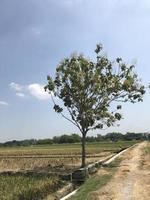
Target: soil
pixel 132 179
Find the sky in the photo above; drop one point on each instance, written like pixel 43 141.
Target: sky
pixel 35 35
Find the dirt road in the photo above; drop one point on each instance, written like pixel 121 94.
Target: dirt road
pixel 132 179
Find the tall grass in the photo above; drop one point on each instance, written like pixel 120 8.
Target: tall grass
pixel 27 188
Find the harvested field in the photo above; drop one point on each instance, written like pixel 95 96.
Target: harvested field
pixel 55 158
pixel 58 157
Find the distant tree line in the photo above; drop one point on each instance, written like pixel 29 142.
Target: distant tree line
pixel 74 138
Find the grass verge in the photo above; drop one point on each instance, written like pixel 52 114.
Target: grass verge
pixel 145 161
pixel 147 149
pixel 96 182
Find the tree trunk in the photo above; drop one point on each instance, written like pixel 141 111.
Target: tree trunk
pixel 83 149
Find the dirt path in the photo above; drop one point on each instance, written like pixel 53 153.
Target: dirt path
pixel 132 179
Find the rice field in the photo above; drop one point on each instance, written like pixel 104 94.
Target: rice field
pixel 51 158
pixel 64 149
pixel 27 188
pixel 55 157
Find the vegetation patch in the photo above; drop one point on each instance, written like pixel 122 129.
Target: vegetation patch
pixel 21 187
pixel 27 188
pixel 62 158
pixel 115 163
pixel 147 149
pixel 88 189
pixel 145 161
pixel 91 185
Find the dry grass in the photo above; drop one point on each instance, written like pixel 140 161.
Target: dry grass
pixel 15 164
pixel 64 157
pixel 27 188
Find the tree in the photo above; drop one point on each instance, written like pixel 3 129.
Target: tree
pixel 91 90
pixel 114 136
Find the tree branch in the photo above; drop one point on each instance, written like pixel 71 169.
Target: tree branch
pixel 62 113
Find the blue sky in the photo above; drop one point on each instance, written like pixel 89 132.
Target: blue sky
pixel 35 35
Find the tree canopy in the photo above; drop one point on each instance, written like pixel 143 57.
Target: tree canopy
pixel 92 91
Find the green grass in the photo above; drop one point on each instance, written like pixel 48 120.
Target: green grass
pixel 27 188
pixel 88 190
pixel 65 148
pixel 91 185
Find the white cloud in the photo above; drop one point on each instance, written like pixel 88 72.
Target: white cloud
pixel 20 94
pixel 38 91
pixel 16 87
pixel 3 103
